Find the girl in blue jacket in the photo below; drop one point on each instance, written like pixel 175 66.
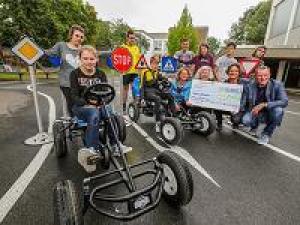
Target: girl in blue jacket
pixel 181 88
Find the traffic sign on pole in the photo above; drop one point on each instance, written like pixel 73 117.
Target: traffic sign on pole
pixel 28 51
pixel 121 59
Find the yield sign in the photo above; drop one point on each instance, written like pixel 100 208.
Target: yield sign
pixel 142 63
pixel 249 65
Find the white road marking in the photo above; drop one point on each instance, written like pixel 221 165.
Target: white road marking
pixel 17 189
pixel 293 101
pixel 293 113
pixel 272 147
pixel 180 151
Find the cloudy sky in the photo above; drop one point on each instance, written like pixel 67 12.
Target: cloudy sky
pixel 159 15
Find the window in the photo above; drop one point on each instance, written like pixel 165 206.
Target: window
pixel 281 17
pixel 297 18
pixel 157 45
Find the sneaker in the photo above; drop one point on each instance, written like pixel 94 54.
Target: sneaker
pixel 125 149
pixel 263 140
pixel 84 158
pixel 157 127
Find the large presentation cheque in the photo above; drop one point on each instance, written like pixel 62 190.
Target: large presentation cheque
pixel 216 95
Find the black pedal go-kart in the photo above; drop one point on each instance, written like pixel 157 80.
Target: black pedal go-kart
pixel 166 175
pixel 172 128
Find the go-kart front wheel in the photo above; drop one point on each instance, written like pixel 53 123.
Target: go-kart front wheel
pixel 206 124
pixel 178 188
pixel 67 204
pixel 171 130
pixel 121 125
pixel 60 141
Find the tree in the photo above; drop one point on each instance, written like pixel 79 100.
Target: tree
pixel 103 35
pixel 183 29
pixel 45 21
pixel 252 26
pixel 214 44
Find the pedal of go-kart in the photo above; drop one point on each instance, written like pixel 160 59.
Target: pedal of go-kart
pixel 94 159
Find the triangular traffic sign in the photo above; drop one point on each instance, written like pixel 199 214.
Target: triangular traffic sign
pixel 249 65
pixel 142 63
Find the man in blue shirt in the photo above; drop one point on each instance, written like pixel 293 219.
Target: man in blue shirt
pixel 266 99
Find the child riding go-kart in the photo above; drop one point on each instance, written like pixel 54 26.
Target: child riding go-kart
pixel 167 176
pixel 104 132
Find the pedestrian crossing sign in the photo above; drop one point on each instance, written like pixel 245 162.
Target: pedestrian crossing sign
pixel 168 64
pixel 142 63
pixel 27 50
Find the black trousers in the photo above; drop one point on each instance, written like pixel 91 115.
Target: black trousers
pixel 67 93
pixel 157 96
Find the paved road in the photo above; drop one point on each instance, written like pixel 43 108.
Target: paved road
pixel 257 184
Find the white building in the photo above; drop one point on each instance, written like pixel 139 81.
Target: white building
pixel 284 24
pixel 157 41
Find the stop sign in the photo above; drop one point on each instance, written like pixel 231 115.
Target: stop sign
pixel 121 59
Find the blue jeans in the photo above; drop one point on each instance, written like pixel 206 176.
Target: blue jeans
pixel 92 116
pixel 271 117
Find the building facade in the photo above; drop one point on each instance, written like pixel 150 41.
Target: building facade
pixel 282 40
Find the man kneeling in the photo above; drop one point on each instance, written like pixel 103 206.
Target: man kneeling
pixel 266 99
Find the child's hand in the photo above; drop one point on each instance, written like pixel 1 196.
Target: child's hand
pixel 177 107
pixel 188 103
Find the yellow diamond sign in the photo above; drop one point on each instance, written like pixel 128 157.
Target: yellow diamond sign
pixel 27 50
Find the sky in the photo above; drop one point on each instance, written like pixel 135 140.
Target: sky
pixel 159 15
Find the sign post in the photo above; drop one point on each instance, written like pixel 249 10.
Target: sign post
pixel 28 51
pixel 121 60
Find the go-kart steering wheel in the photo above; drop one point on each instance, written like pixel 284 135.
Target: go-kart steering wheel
pixel 103 93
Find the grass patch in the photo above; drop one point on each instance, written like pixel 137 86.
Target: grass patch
pixel 25 76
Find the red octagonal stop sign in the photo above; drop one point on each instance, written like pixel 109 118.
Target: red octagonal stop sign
pixel 121 59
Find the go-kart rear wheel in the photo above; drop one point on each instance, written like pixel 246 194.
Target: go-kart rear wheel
pixel 178 187
pixel 206 123
pixel 133 111
pixel 60 141
pixel 67 204
pixel 171 130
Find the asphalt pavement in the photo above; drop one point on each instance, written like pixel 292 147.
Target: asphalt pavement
pixel 236 181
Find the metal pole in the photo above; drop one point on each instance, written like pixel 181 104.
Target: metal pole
pixel 120 76
pixel 37 111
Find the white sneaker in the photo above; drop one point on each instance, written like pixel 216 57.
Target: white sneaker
pixel 125 149
pixel 263 140
pixel 84 155
pixel 157 127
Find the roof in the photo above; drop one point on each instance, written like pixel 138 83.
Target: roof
pixel 277 52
